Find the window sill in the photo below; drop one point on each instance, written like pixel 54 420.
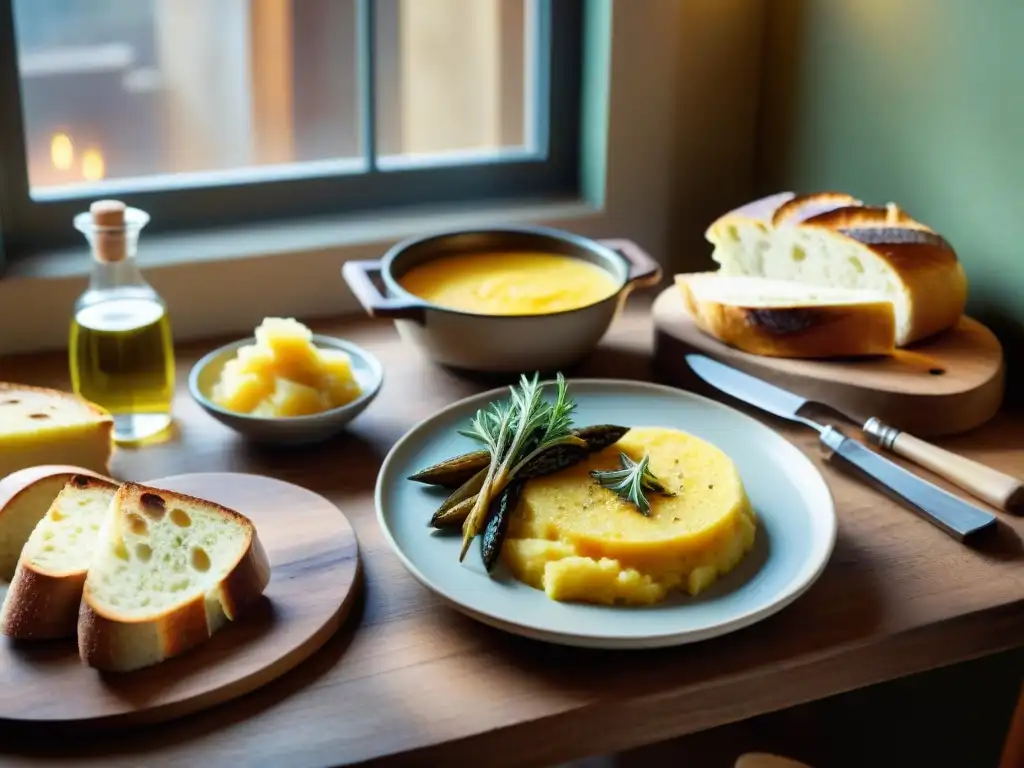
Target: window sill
pixel 288 238
pixel 226 280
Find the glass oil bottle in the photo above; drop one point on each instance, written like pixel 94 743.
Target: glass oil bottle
pixel 120 348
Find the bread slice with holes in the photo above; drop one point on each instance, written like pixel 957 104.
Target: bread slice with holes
pixel 833 240
pixel 168 571
pixel 25 496
pixel 43 599
pixel 780 318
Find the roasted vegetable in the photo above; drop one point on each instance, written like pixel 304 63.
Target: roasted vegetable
pixel 467 490
pixel 453 517
pixel 453 472
pixel 552 460
pixel 501 510
pixel 600 436
pixel 506 428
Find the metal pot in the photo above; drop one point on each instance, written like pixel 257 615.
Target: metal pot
pixel 498 343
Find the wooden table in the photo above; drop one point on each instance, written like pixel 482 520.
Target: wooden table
pixel 410 682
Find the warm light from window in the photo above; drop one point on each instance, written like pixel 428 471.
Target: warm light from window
pixel 62 151
pixel 93 166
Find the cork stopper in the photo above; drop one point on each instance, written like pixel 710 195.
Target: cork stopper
pixel 108 233
pixel 107 213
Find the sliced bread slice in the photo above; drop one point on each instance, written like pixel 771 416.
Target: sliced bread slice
pixel 169 570
pixel 42 601
pixel 779 318
pixel 833 240
pixel 45 426
pixel 25 496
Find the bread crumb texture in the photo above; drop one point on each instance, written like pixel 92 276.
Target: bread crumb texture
pixel 63 540
pixel 161 550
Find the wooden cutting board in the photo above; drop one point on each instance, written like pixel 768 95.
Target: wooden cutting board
pixel 314 570
pixel 946 385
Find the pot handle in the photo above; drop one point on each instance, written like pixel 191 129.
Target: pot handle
pixel 643 269
pixel 358 276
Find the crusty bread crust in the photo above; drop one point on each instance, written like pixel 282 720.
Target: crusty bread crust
pixel 803 207
pixel 41 604
pixel 890 217
pixel 247 580
pixel 15 487
pixel 16 483
pixel 799 331
pixel 925 263
pixel 112 642
pixel 760 211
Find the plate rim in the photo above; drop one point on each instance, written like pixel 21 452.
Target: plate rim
pixel 597 640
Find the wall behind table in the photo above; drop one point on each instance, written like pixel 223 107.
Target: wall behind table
pixel 915 101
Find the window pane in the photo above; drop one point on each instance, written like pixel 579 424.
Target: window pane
pixel 455 76
pixel 121 89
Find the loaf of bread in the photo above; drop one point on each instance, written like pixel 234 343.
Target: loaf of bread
pixel 836 241
pixel 43 599
pixel 780 318
pixel 168 571
pixel 25 496
pixel 46 426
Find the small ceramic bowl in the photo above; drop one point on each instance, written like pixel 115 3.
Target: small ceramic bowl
pixel 293 430
pixel 499 343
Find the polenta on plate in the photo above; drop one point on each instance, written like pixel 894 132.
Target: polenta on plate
pixel 580 542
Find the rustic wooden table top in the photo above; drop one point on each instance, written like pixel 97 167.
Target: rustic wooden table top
pixel 408 681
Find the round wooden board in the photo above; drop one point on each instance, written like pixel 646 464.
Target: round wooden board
pixel 314 563
pixel 943 386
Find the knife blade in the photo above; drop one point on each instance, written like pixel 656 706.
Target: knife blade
pixel 997 488
pixel 949 513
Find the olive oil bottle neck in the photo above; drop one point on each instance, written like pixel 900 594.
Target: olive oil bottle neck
pixel 110 275
pixel 114 265
pixel 112 230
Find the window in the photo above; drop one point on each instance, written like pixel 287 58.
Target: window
pixel 212 112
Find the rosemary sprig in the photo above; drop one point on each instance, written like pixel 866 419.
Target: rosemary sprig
pixel 631 481
pixel 514 431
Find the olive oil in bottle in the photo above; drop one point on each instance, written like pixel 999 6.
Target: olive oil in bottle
pixel 120 349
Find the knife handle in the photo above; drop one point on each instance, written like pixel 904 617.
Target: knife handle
pixel 1000 490
pixel 950 513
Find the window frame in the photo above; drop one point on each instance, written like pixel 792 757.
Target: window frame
pixel 329 187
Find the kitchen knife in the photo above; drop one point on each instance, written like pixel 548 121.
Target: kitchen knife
pixel 990 485
pixel 950 513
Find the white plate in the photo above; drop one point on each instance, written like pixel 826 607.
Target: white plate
pixel 795 535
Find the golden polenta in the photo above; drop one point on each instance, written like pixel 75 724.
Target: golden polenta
pixel 513 283
pixel 580 542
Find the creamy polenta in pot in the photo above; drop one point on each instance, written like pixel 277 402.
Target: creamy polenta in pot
pixel 578 541
pixel 509 283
